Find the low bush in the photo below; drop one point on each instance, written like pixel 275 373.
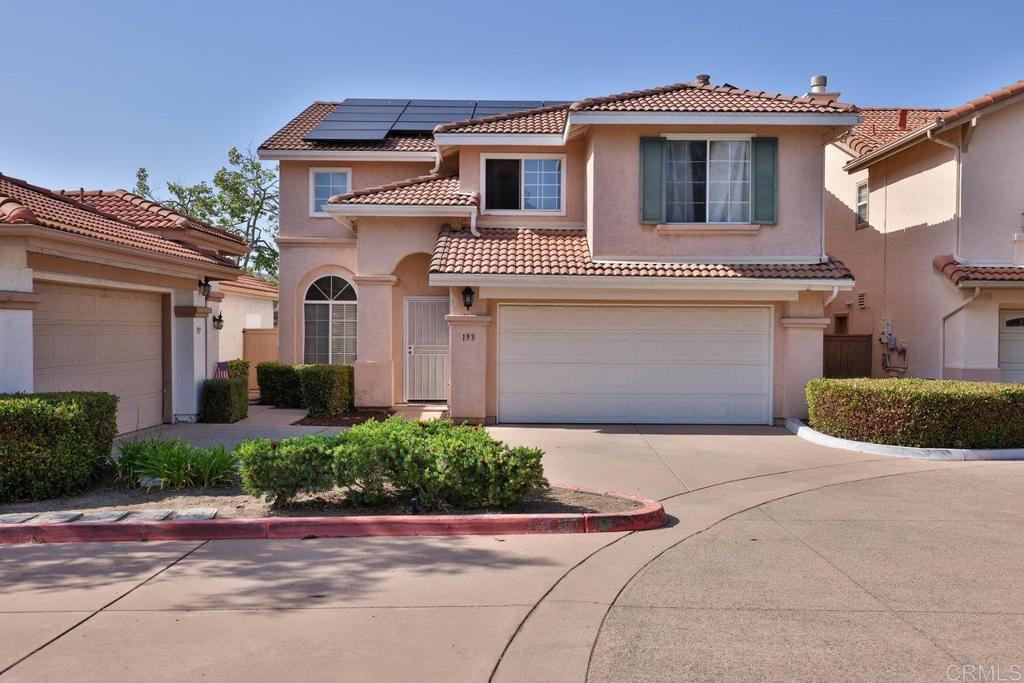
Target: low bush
pixel 918 412
pixel 224 400
pixel 326 389
pixel 280 470
pixel 172 463
pixel 54 444
pixel 238 368
pixel 371 458
pixel 279 385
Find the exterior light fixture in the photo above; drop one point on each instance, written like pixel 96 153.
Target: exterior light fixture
pixel 204 287
pixel 218 321
pixel 467 297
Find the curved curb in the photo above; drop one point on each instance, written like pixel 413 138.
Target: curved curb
pixel 808 434
pixel 650 516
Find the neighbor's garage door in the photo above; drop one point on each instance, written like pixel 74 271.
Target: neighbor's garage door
pixel 91 339
pixel 602 364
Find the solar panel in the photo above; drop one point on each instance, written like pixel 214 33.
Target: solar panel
pixel 359 118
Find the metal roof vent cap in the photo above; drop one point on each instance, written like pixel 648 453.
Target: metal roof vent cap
pixel 702 79
pixel 819 89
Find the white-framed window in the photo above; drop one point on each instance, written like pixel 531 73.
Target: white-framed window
pixel 523 183
pixel 707 180
pixel 862 204
pixel 324 183
pixel 329 327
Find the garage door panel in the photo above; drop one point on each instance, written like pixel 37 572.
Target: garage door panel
pixel 92 339
pixel 634 364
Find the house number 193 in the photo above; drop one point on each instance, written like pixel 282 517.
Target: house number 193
pixel 468 336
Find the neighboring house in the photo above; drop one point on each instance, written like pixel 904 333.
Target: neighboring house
pixel 246 302
pixel 89 301
pixel 924 206
pixel 653 256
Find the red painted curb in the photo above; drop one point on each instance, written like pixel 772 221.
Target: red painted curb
pixel 650 516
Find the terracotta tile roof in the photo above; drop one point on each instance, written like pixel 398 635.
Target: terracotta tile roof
pixel 542 120
pixel 970 108
pixel 22 203
pixel 881 126
pixel 144 212
pixel 249 282
pixel 290 136
pixel 698 97
pixel 523 251
pixel 961 272
pixel 427 190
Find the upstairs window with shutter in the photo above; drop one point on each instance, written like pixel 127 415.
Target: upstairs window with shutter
pixel 708 180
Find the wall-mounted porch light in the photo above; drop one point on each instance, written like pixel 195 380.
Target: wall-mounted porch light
pixel 204 287
pixel 218 321
pixel 467 297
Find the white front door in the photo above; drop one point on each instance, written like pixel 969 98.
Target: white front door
pixel 426 348
pixel 635 364
pixel 1011 345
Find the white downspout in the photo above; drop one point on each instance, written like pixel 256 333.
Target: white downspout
pixel 832 296
pixel 942 332
pixel 472 223
pixel 959 175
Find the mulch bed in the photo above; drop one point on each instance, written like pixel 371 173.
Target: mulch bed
pixel 231 502
pixel 352 417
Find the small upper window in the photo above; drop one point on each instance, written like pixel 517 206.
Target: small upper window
pixel 528 184
pixel 707 181
pixel 324 184
pixel 862 204
pixel 1015 322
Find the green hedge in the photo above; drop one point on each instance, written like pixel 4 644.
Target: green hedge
pixel 54 444
pixel 279 385
pixel 238 368
pixel 326 389
pixel 224 400
pixel 439 463
pixel 919 412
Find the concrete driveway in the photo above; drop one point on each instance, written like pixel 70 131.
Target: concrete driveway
pixel 560 608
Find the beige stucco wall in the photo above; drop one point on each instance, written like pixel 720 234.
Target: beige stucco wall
pixel 913 219
pixel 241 312
pixel 617 231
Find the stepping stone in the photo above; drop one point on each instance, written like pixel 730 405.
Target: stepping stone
pixel 193 514
pixel 111 516
pixel 147 516
pixel 57 517
pixel 16 517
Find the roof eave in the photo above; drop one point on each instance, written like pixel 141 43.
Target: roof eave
pixel 640 282
pixel 713 118
pixel 502 139
pixel 343 155
pixel 346 210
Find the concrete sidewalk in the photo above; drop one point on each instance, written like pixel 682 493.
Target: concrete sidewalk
pixel 469 609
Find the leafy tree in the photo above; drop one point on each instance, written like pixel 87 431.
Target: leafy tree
pixel 242 198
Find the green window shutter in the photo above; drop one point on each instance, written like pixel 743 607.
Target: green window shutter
pixel 765 154
pixel 652 182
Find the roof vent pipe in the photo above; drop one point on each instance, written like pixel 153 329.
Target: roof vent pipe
pixel 702 79
pixel 819 84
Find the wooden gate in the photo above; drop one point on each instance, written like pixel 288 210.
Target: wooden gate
pixel 258 345
pixel 847 355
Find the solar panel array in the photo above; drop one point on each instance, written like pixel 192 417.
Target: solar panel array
pixel 374 119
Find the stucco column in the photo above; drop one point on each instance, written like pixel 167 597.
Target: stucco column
pixel 803 341
pixel 189 352
pixel 467 394
pixel 17 303
pixel 374 365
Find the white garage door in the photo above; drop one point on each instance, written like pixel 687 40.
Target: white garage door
pixel 635 364
pixel 91 339
pixel 1011 346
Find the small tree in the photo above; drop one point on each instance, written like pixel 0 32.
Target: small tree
pixel 242 198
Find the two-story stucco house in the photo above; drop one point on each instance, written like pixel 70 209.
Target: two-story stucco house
pixel 924 205
pixel 653 256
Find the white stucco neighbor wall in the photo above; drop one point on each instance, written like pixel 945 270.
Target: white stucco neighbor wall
pixel 240 313
pixel 15 324
pixel 189 355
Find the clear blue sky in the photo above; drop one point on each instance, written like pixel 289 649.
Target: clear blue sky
pixel 93 90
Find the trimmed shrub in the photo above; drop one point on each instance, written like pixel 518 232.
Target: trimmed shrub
pixel 54 444
pixel 919 413
pixel 370 458
pixel 279 470
pixel 224 400
pixel 326 389
pixel 279 385
pixel 238 368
